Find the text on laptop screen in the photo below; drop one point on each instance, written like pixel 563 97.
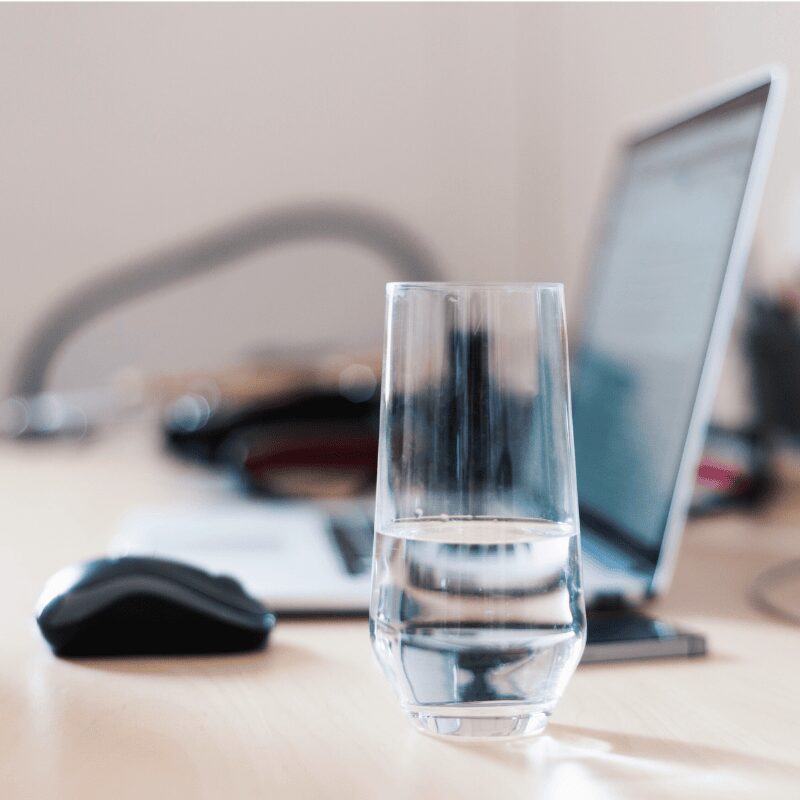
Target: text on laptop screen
pixel 653 298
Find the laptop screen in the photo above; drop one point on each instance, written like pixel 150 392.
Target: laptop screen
pixel 653 297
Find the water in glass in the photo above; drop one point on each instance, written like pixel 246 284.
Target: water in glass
pixel 478 624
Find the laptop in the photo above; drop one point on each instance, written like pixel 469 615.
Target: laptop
pixel 664 283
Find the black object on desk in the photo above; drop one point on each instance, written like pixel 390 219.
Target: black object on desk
pixel 626 635
pixel 319 444
pixel 148 606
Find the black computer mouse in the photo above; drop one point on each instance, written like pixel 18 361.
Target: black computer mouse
pixel 148 606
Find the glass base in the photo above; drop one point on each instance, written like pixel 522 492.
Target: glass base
pixel 476 724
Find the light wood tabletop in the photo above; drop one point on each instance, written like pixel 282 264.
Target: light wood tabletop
pixel 311 717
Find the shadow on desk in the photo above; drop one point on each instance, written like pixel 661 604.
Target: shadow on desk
pixel 636 760
pixel 281 657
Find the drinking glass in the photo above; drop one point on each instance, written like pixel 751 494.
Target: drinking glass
pixel 477 616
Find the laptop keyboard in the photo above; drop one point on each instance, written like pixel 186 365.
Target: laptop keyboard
pixel 595 551
pixel 352 537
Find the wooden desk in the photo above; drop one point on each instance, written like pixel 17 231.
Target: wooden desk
pixel 312 718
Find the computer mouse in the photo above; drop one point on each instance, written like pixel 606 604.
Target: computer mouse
pixel 148 606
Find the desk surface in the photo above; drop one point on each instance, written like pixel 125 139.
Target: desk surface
pixel 312 717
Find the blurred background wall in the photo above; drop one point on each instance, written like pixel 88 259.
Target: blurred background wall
pixel 488 129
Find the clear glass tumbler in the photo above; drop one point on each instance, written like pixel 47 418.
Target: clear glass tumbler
pixel 477 615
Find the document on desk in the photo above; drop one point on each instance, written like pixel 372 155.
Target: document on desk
pixel 280 551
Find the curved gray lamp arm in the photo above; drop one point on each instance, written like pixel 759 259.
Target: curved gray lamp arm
pixel 374 231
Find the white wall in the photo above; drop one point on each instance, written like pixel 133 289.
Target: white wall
pixel 615 64
pixel 488 128
pixel 126 127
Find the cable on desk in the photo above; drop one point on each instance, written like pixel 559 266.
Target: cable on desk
pixel 770 578
pixel 402 249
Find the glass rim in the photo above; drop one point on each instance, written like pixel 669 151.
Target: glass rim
pixel 496 286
